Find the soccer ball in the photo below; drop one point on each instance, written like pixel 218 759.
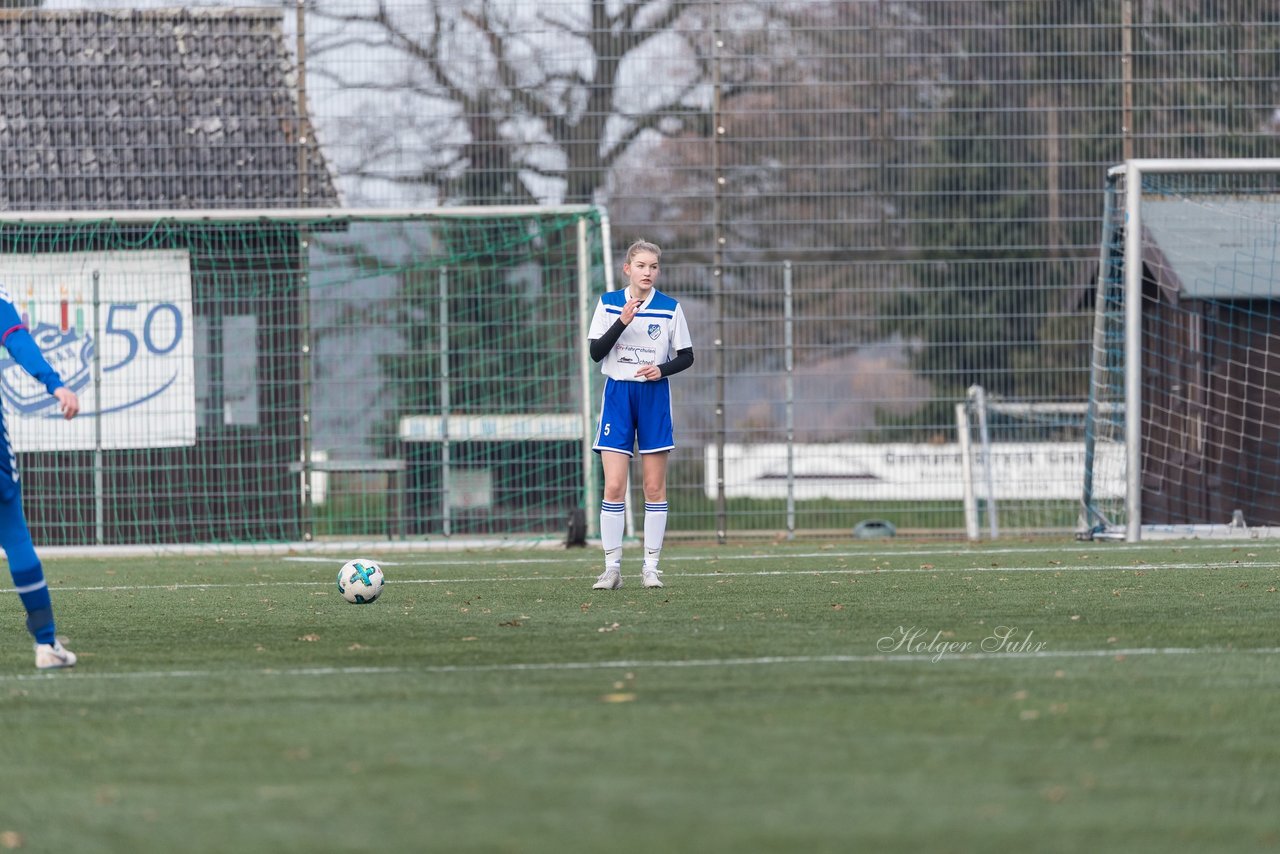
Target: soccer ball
pixel 360 581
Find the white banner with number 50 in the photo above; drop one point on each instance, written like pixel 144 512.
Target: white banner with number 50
pixel 140 331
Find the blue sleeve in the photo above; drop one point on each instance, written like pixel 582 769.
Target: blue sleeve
pixel 23 348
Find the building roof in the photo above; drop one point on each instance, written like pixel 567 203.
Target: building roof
pixel 154 109
pixel 1214 245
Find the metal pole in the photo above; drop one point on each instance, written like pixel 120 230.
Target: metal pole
pixel 589 499
pixel 717 272
pixel 978 396
pixel 789 354
pixel 606 252
pixel 1133 353
pixel 446 521
pixel 1126 78
pixel 99 496
pixel 966 462
pixel 304 385
pixel 304 186
pixel 304 291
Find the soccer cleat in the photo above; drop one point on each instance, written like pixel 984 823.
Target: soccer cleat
pixel 610 579
pixel 651 578
pixel 50 656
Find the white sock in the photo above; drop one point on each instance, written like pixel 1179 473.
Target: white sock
pixel 612 526
pixel 655 530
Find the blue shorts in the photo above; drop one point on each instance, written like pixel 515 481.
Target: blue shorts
pixel 635 413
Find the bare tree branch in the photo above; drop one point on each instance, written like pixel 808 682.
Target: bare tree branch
pixel 529 117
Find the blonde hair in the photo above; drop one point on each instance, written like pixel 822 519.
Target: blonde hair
pixel 643 246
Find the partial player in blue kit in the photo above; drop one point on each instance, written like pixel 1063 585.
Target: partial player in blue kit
pixel 15 537
pixel 640 338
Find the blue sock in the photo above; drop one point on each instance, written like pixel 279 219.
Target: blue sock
pixel 34 593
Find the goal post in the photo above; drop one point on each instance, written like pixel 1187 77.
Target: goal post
pixel 1182 433
pixel 1019 463
pixel 296 376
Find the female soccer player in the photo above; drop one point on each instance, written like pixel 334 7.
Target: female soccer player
pixel 640 337
pixel 15 538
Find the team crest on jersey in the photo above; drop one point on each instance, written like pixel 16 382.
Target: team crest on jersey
pixel 654 331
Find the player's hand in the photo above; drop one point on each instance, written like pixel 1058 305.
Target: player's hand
pixel 629 311
pixel 650 372
pixel 68 403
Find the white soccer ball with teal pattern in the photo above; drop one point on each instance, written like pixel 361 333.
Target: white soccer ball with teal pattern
pixel 360 581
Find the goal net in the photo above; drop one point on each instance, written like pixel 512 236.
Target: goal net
pixel 262 376
pixel 1182 431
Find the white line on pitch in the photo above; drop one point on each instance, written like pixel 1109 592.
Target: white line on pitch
pixel 515 667
pixel 827 554
pixel 763 573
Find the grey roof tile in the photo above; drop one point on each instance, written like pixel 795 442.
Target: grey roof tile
pixel 152 109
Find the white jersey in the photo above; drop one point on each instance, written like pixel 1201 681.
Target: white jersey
pixel 654 336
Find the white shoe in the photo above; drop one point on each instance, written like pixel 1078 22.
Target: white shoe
pixel 610 579
pixel 50 656
pixel 651 578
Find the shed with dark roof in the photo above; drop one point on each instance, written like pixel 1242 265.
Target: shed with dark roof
pixel 1211 360
pixel 172 110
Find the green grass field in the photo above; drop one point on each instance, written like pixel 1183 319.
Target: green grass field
pixel 880 697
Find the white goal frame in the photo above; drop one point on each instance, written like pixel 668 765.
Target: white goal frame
pixel 980 484
pixel 312 466
pixel 1133 171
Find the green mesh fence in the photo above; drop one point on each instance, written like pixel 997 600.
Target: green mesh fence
pixel 280 377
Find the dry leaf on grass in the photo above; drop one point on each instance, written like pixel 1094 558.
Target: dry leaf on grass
pixel 618 697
